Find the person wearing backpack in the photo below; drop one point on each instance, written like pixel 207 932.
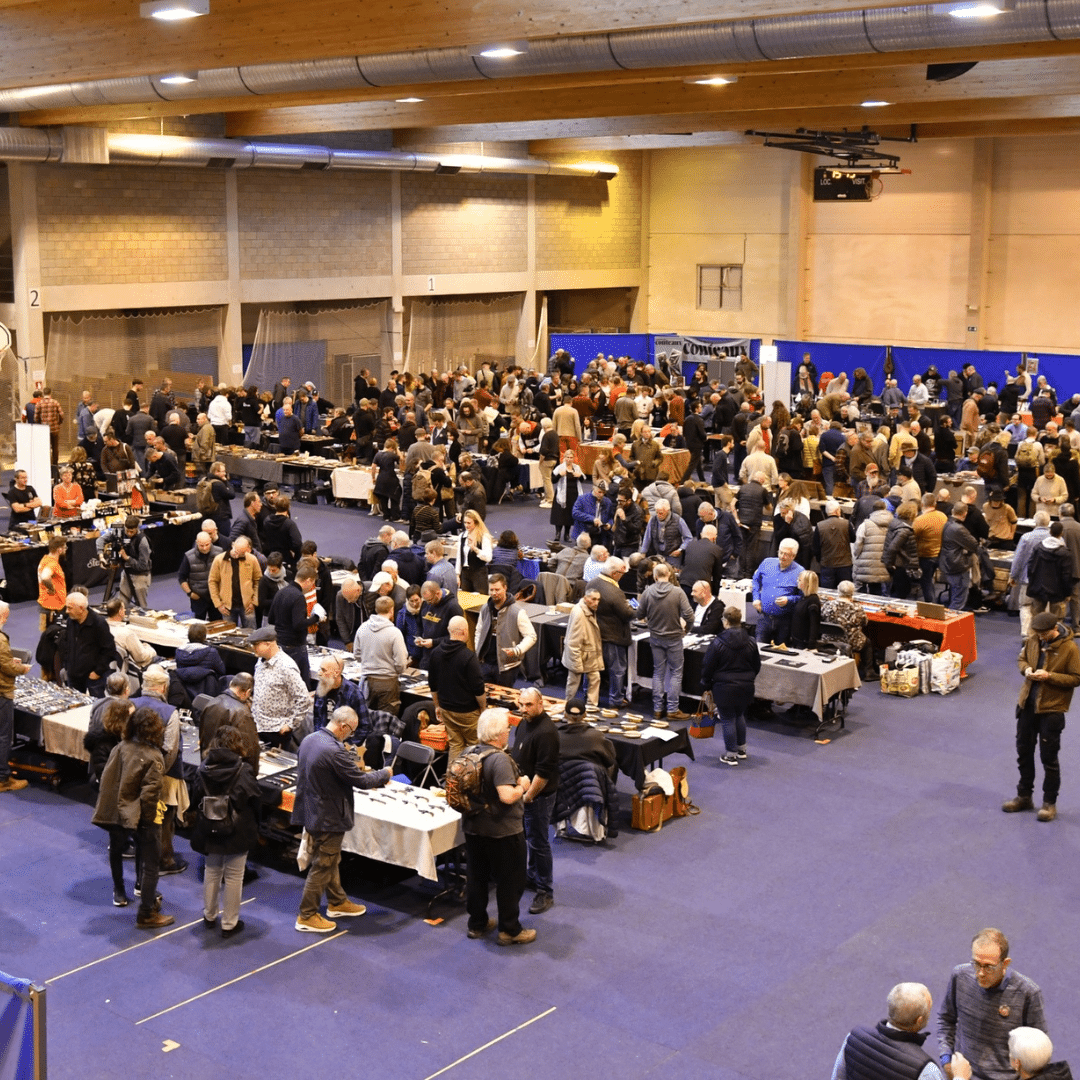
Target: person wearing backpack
pixel 1030 459
pixel 227 826
pixel 495 834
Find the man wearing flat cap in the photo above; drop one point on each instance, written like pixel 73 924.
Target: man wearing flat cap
pixel 1050 663
pixel 280 705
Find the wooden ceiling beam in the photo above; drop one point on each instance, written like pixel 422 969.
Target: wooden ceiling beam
pixel 54 41
pixel 265 106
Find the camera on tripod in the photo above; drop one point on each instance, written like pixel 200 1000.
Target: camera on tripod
pixel 112 544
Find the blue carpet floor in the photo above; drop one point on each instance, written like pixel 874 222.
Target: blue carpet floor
pixel 741 944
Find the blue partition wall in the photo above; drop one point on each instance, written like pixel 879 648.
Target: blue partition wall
pixel 638 347
pixel 1062 371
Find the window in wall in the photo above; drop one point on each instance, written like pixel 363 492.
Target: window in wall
pixel 719 288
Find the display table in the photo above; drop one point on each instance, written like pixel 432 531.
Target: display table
pixel 813 684
pixel 352 483
pixel 404 826
pixel 675 461
pixel 955 632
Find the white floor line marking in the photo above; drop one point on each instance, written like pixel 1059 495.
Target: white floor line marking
pixel 506 1035
pixel 240 978
pixel 137 945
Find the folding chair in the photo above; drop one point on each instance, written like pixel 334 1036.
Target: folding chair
pixel 417 754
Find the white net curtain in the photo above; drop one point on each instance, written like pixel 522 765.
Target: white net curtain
pixel 9 406
pixel 328 346
pixel 447 332
pixel 102 353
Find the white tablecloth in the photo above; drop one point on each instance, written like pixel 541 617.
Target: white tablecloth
pixel 352 483
pixel 390 826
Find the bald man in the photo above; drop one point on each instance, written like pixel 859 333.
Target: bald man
pixel 457 687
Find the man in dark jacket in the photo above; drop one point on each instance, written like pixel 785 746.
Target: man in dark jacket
pixel 289 617
pixel 831 546
pixel 614 616
pixel 536 751
pixel 246 523
pixel 282 534
pixel 375 552
pixel 703 560
pixel 894 1048
pixel 696 439
pixel 629 524
pixel 957 547
pixel 194 574
pixel 326 774
pixel 88 647
pixel 457 687
pixel 1050 574
pixel 750 506
pixel 232 708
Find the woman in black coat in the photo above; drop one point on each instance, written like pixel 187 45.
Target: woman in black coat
pixel 901 553
pixel 730 670
pixel 806 616
pixel 387 487
pixel 224 772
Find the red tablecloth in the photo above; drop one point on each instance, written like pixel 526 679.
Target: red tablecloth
pixel 957 632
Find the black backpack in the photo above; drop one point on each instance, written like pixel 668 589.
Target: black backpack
pixel 218 811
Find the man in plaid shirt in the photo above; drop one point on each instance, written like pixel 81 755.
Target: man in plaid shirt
pixel 49 412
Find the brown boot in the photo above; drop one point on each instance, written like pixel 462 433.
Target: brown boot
pixel 154 921
pixel 1048 812
pixel 1018 802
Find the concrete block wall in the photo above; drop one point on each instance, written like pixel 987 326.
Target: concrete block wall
pixel 119 224
pixel 313 225
pixel 590 224
pixel 465 224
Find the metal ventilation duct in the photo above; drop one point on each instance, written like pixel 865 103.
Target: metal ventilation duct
pixel 48 144
pixel 847 33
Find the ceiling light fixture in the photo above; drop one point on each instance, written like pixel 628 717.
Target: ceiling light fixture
pixel 872 104
pixel 174 10
pixel 179 78
pixel 975 9
pixel 713 80
pixel 408 100
pixel 502 50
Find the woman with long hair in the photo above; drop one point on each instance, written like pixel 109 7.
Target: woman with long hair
pixel 474 552
pixel 387 487
pixel 130 798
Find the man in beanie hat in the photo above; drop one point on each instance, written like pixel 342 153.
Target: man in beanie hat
pixel 1050 662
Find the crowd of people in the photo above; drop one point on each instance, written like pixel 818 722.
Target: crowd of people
pixel 642 545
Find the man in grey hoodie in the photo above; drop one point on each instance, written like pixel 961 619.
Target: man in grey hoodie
pixel 666 612
pixel 380 648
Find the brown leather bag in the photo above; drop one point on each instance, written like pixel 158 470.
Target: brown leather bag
pixel 647 812
pixel 703 725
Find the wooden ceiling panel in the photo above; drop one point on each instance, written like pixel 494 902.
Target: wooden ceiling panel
pixel 55 41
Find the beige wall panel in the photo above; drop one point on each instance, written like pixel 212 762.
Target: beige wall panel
pixel 934 199
pixel 674 259
pixel 464 224
pixel 712 190
pixel 590 224
pixel 313 225
pixel 1036 186
pixel 1033 293
pixel 116 225
pixel 5 209
pixel 903 289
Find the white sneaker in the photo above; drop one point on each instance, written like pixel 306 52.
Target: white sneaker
pixel 545 506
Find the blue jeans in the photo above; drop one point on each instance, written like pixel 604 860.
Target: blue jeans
pixel 239 616
pixel 667 658
pixel 828 476
pixel 539 874
pixel 929 568
pixel 299 653
pixel 615 665
pixel 774 628
pixel 733 724
pixel 958 590
pixel 831 576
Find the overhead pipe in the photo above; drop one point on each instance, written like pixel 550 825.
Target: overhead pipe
pixel 785 37
pixel 48 145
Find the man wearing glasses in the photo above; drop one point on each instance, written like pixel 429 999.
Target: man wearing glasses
pixel 327 772
pixel 1050 662
pixel 983 1003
